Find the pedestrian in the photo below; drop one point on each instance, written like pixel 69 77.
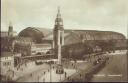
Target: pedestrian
pixel 80 75
pixel 44 72
pixel 68 78
pixel 38 78
pixel 25 65
pixel 43 79
pixel 74 66
pixel 65 74
pixel 72 80
pixel 31 74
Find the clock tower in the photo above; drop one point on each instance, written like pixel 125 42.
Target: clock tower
pixel 58 40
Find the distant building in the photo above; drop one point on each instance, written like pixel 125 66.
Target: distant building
pixel 6 34
pixel 7 38
pixel 9 33
pixel 6 44
pixel 3 33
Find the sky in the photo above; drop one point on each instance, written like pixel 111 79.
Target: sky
pixel 104 15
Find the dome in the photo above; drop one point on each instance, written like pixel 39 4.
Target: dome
pixel 35 33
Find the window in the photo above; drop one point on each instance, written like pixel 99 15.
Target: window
pixel 6 63
pixel 6 58
pixel 61 40
pixel 33 51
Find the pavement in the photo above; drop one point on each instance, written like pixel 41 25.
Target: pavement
pixel 34 73
pixel 29 72
pixel 42 73
pixel 85 71
pixel 56 77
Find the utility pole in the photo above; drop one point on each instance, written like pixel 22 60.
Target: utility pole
pixel 50 70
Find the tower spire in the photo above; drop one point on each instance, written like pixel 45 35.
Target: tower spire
pixel 58 9
pixel 10 29
pixel 58 14
pixel 59 20
pixel 10 23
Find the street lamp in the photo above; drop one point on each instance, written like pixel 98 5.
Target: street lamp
pixel 70 53
pixel 50 70
pixel 60 77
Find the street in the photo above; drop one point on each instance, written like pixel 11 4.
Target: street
pixel 115 70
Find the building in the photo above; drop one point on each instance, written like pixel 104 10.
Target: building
pixel 35 33
pixel 77 35
pixel 9 33
pixel 7 38
pixel 40 43
pixel 7 62
pixel 10 30
pixel 40 49
pixel 71 37
pixel 27 46
pixel 22 45
pixel 64 37
pixel 17 59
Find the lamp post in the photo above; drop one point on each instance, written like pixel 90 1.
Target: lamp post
pixel 50 74
pixel 60 77
pixel 50 70
pixel 70 53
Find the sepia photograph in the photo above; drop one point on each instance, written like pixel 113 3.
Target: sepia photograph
pixel 64 41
